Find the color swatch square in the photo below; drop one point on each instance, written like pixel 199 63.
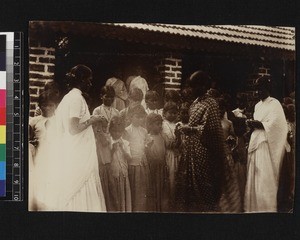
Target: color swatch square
pixel 2 170
pixel 2 98
pixel 2 134
pixel 2 61
pixel 2 188
pixel 2 52
pixel 2 152
pixel 3 42
pixel 2 80
pixel 2 116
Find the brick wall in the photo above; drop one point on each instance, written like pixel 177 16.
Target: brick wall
pixel 41 71
pixel 170 67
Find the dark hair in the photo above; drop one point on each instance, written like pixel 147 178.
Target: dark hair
pixel 77 74
pixel 107 90
pixel 200 82
pixel 173 96
pixel 48 96
pixel 137 110
pixel 214 93
pixel 151 95
pixel 169 106
pixel 185 106
pixel 136 95
pixel 151 119
pixel 187 94
pixel 116 122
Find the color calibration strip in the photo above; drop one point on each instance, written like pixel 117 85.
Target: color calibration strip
pixel 12 132
pixel 2 115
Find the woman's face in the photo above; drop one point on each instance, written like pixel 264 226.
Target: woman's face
pixel 107 100
pixel 262 92
pixel 87 84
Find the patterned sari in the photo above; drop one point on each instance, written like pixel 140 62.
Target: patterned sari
pixel 201 168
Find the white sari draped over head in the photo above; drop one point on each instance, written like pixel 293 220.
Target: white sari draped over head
pixel 141 83
pixel 265 154
pixel 74 182
pixel 121 92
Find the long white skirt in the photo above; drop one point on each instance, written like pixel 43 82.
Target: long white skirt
pixel 67 177
pixel 262 185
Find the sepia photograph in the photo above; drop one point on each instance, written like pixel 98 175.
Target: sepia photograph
pixel 161 118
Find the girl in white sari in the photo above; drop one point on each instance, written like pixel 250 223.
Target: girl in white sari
pixel 75 183
pixel 265 152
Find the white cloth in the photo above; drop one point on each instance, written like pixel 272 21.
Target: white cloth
pixel 239 113
pixel 156 111
pixel 105 111
pixel 265 154
pixel 74 183
pixel 40 160
pixel 168 133
pixel 136 136
pixel 119 163
pixel 141 83
pixel 121 92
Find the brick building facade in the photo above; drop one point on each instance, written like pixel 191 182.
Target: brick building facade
pixel 165 49
pixel 41 71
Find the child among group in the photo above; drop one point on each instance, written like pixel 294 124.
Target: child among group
pixel 103 139
pixel 47 103
pixel 40 138
pixel 106 110
pixel 170 113
pixel 138 168
pixel 135 98
pixel 156 152
pixel 173 96
pixel 152 102
pixel 120 154
pixel 184 119
pixel 239 153
pixel 186 95
pixel 49 87
pixel 231 200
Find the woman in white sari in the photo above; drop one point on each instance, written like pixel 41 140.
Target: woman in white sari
pixel 75 183
pixel 265 151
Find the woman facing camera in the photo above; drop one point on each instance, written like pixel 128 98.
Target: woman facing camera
pixel 265 151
